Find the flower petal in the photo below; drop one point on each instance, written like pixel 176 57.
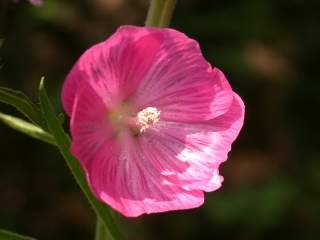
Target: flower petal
pixel 182 84
pixel 116 169
pixel 89 126
pixel 120 176
pixel 136 187
pixel 116 65
pixel 189 154
pixel 163 67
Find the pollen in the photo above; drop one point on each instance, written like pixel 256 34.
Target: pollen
pixel 147 118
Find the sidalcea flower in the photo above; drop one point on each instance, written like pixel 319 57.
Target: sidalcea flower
pixel 151 120
pixel 34 2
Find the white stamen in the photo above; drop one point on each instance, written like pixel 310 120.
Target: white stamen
pixel 148 117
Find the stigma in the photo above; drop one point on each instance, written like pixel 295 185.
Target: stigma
pixel 147 117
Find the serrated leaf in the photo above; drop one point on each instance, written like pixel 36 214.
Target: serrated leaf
pixel 63 143
pixel 7 235
pixel 27 128
pixel 23 104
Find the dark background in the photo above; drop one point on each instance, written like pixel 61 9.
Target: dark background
pixel 269 50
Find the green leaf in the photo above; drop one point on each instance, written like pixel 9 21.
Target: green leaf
pixel 27 128
pixel 6 235
pixel 61 118
pixel 63 143
pixel 22 103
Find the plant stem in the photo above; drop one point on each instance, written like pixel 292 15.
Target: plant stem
pixel 101 233
pixel 167 13
pixel 160 13
pixel 154 13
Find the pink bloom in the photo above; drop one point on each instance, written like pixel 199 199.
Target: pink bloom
pixel 151 121
pixel 34 2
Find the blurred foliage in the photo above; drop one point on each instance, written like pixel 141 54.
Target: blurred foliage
pixel 269 51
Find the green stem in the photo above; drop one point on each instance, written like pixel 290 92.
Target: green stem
pixel 160 13
pixel 154 13
pixel 101 231
pixel 167 13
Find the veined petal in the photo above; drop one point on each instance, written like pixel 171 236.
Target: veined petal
pixel 116 169
pixel 116 66
pixel 182 84
pixel 89 126
pixel 152 67
pixel 120 176
pixel 189 154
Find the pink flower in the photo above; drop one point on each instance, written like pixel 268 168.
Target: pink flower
pixel 34 2
pixel 151 121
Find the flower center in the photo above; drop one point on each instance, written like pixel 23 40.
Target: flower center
pixel 147 118
pixel 122 117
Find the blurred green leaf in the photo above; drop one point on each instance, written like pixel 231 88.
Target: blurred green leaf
pixel 27 128
pixel 61 118
pixel 22 103
pixel 63 143
pixel 6 235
